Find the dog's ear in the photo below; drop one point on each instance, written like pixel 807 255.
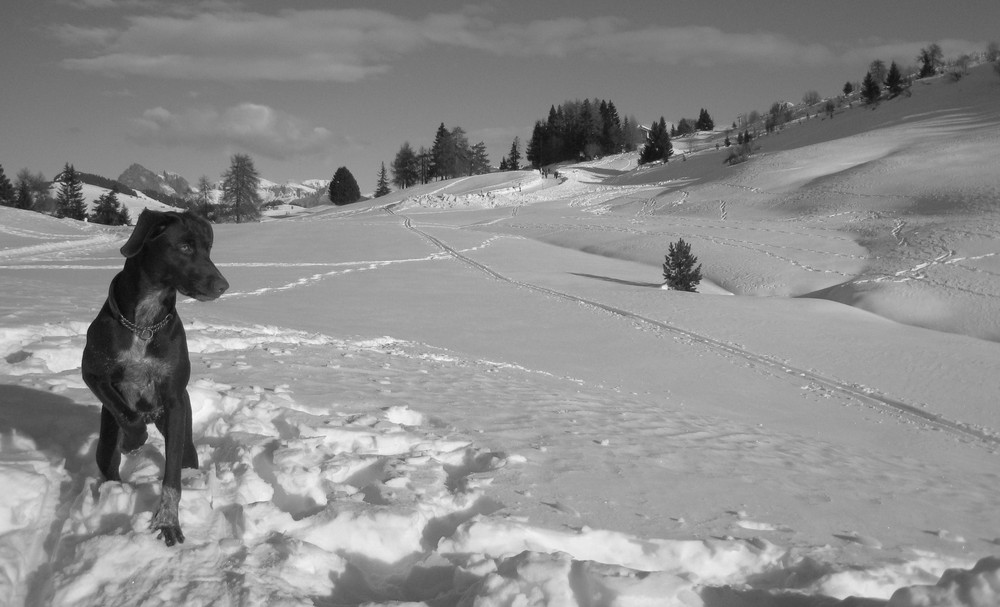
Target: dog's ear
pixel 149 225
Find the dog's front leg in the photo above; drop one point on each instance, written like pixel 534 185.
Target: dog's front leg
pixel 121 427
pixel 172 424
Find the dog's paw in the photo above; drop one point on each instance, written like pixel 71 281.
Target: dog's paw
pixel 132 441
pixel 170 535
pixel 166 520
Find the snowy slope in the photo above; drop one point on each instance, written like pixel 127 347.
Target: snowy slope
pixel 134 204
pixel 456 398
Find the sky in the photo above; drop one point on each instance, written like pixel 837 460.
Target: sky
pixel 307 86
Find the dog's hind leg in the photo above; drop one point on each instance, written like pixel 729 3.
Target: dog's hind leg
pixel 108 456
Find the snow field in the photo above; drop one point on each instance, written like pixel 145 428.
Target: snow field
pixel 379 504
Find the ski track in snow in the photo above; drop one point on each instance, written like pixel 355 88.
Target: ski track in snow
pixel 59 245
pixel 990 437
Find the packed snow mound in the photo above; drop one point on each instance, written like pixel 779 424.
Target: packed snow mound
pixel 467 201
pixel 976 587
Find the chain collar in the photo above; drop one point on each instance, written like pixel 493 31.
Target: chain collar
pixel 143 333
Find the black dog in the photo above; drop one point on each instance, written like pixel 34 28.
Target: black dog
pixel 136 357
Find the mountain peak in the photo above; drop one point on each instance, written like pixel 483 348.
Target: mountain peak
pixel 139 177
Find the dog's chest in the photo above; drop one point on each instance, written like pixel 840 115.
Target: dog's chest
pixel 142 374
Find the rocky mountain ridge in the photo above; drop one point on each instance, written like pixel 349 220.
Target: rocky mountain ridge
pixel 140 178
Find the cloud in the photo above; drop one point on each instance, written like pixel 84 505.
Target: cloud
pixel 68 33
pixel 318 46
pixel 611 39
pixel 151 5
pixel 348 45
pixel 255 128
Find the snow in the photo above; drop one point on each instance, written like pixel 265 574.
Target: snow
pixel 475 392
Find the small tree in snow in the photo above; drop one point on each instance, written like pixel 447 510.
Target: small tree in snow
pixel 658 146
pixel 931 59
pixel 240 182
pixel 830 108
pixel 110 211
pixel 202 202
pixel 870 90
pixel 343 188
pixel 514 157
pixel 70 202
pixel 7 193
pixel 679 267
pixel 382 185
pixel 705 122
pixel 894 80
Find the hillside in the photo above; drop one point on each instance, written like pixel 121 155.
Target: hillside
pixel 913 183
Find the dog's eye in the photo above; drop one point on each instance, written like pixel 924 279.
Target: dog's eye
pixel 186 247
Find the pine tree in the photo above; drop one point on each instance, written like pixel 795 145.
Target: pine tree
pixel 612 137
pixel 344 188
pixel 589 132
pixel 39 190
pixel 239 190
pixel 628 143
pixel 442 155
pixel 678 267
pixel 685 127
pixel 23 200
pixel 658 146
pixel 878 71
pixel 533 153
pixel 870 90
pixel 203 199
pixel 848 88
pixel 382 185
pixel 931 59
pixel 894 80
pixel 109 210
pixel 461 153
pixel 405 171
pixel 70 202
pixel 514 157
pixel 705 122
pixel 480 159
pixel 7 194
pixel 424 165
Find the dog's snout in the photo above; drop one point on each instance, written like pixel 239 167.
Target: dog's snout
pixel 220 285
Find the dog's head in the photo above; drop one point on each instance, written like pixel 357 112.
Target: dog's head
pixel 174 249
